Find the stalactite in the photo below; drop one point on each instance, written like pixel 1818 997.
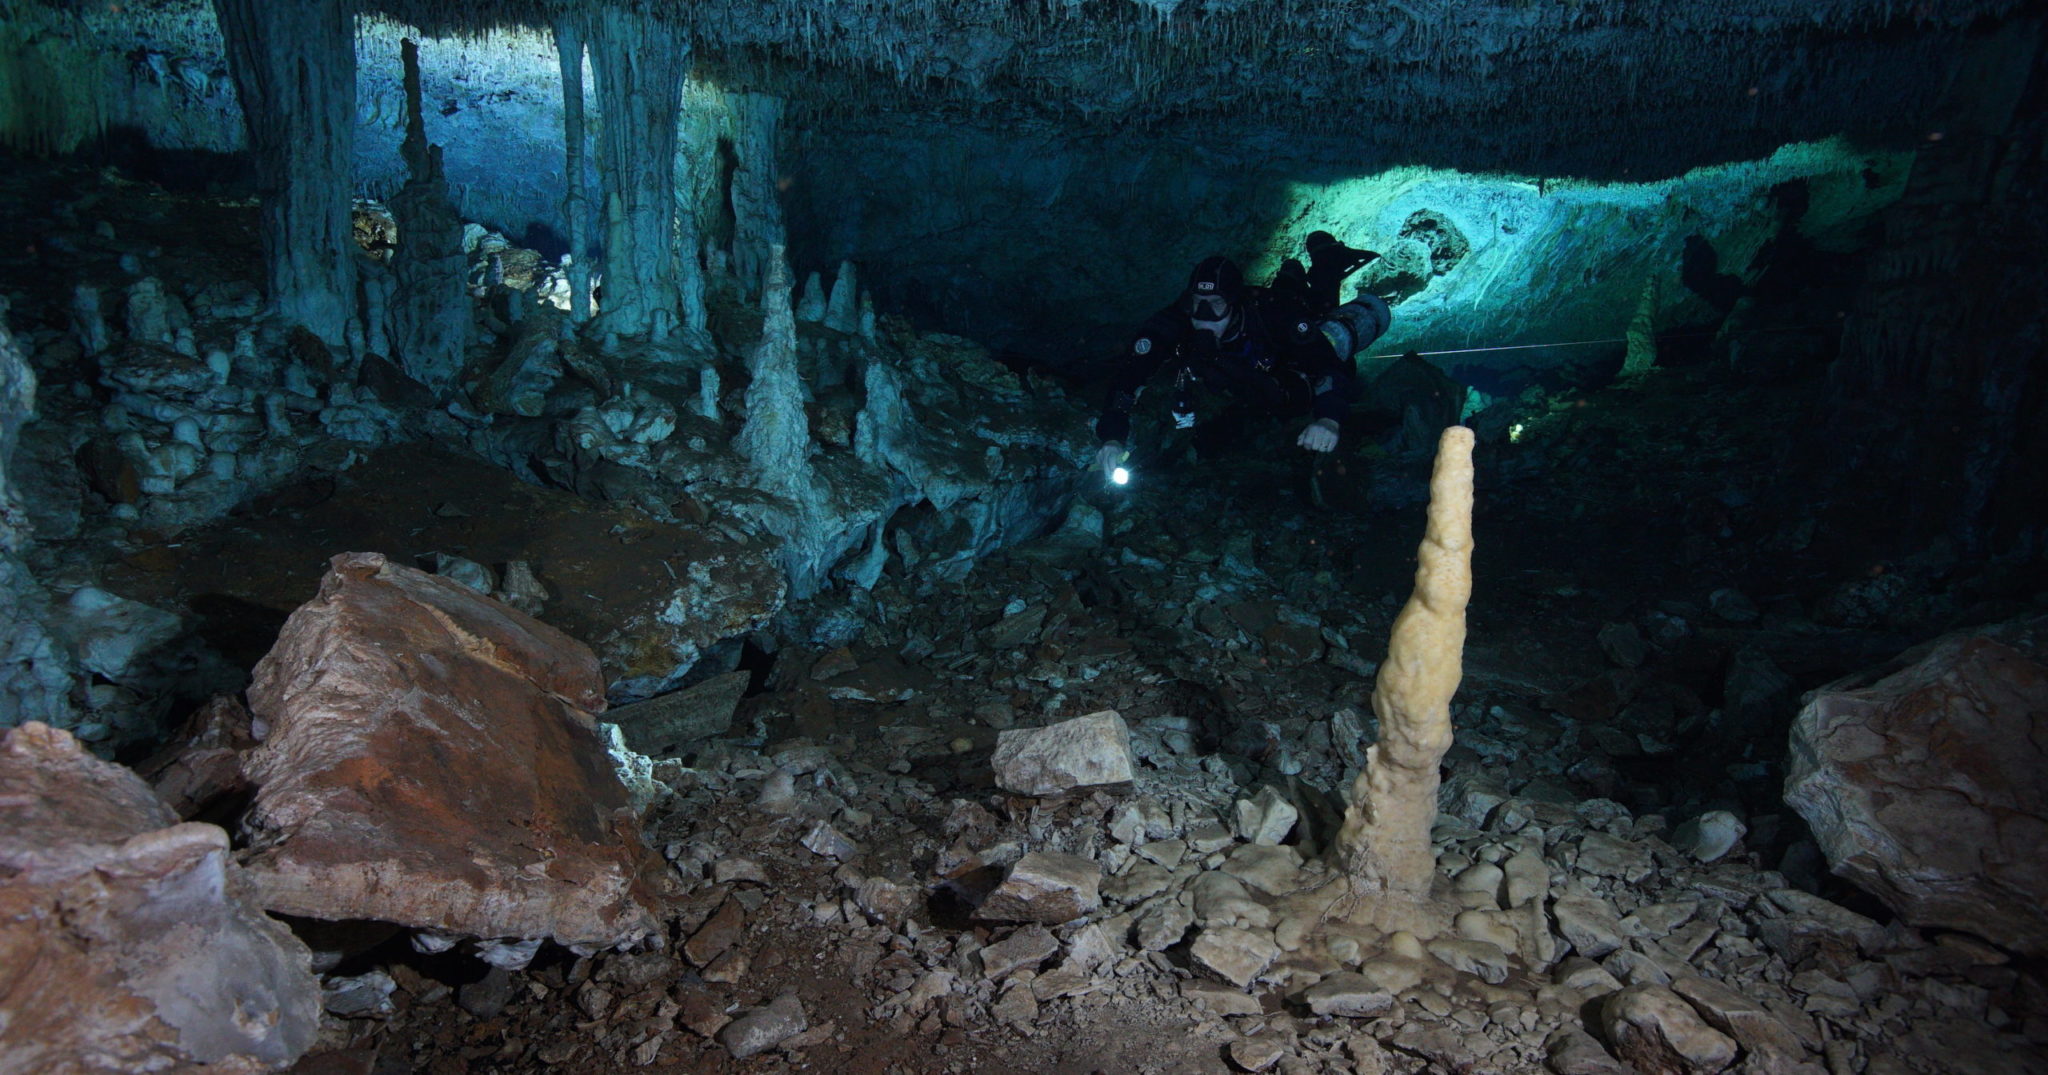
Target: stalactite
pixel 575 198
pixel 294 67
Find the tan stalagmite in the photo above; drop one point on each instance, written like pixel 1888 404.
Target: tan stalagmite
pixel 1384 845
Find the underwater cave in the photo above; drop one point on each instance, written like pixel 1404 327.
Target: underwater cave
pixel 1024 536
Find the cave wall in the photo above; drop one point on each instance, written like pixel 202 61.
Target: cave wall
pixel 1059 246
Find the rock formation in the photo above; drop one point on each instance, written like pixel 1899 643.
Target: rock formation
pixel 1385 842
pixel 132 942
pixel 432 760
pixel 1922 782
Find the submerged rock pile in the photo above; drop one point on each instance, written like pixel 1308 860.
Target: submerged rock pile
pixel 908 846
pixel 170 395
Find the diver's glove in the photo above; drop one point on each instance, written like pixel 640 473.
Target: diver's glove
pixel 1320 436
pixel 1111 459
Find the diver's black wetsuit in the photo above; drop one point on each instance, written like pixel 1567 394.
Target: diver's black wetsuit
pixel 1273 357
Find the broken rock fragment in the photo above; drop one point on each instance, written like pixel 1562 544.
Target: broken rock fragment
pixel 1077 753
pixel 132 942
pixel 1655 1030
pixel 433 762
pixel 1235 955
pixel 764 1028
pixel 1024 949
pixel 1046 887
pixel 1348 995
pixel 660 725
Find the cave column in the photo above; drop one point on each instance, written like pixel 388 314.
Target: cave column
pixel 575 195
pixel 756 203
pixel 294 66
pixel 639 62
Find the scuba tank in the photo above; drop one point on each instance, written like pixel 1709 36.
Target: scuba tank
pixel 1353 327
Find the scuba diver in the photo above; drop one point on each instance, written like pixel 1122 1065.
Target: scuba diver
pixel 1262 346
pixel 1329 263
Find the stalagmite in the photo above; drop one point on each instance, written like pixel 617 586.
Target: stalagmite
pixel 430 308
pixel 1384 844
pixel 295 74
pixel 1642 333
pixel 776 439
pixel 810 302
pixel 842 310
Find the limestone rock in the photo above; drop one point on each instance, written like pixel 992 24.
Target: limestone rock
pixel 1045 886
pixel 1348 995
pixel 1921 781
pixel 1275 871
pixel 432 761
pixel 1163 924
pixel 1623 644
pixel 1082 752
pixel 1218 998
pixel 764 1028
pixel 1235 955
pixel 1256 1054
pixel 1605 856
pixel 132 942
pixel 1024 949
pixel 111 634
pixel 1479 958
pixel 1527 877
pixel 1763 1036
pixel 661 724
pixel 1574 1052
pixel 1655 1030
pixel 1017 1007
pixel 717 935
pixel 1710 836
pixel 1810 922
pixel 1589 922
pixel 1266 818
pixel 204 761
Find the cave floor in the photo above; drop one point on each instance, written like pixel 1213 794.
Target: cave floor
pixel 1226 619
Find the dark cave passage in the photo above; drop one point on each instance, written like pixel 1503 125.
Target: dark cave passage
pixel 499 573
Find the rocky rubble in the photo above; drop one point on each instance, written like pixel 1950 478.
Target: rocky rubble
pixel 885 857
pixel 171 396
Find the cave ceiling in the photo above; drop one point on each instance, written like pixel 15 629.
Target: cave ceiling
pixel 1559 87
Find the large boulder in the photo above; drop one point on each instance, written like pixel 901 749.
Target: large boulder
pixel 1921 781
pixel 132 942
pixel 432 760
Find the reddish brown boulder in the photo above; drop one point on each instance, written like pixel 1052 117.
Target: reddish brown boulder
pixel 203 762
pixel 131 942
pixel 432 760
pixel 1922 782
